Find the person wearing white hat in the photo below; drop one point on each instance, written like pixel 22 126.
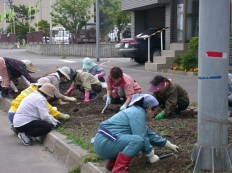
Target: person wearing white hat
pixel 11 69
pixel 32 118
pixel 33 87
pixel 125 134
pixel 62 74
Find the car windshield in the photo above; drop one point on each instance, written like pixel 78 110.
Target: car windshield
pixel 62 34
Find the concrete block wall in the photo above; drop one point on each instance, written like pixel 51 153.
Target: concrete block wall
pixel 107 50
pixel 5 45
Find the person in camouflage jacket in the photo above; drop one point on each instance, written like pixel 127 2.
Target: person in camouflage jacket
pixel 172 97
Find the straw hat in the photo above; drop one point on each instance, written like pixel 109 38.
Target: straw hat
pixel 30 67
pixel 48 89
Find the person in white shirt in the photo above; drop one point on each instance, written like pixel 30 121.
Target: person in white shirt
pixel 32 118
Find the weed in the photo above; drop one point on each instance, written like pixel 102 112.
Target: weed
pixel 75 170
pixel 63 57
pixel 76 139
pixel 92 158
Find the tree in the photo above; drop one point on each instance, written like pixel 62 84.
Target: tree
pixel 111 15
pixel 23 13
pixel 72 15
pixel 44 26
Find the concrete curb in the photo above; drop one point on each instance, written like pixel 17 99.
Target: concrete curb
pixel 62 148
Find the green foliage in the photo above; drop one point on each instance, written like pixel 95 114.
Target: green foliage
pixel 76 139
pixel 21 30
pixel 75 170
pixel 92 158
pixel 189 59
pixel 21 13
pixel 111 15
pixel 44 26
pixel 72 14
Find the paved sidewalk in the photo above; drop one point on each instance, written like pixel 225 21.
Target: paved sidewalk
pixel 15 157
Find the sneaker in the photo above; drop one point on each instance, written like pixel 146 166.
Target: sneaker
pixel 14 129
pixel 24 139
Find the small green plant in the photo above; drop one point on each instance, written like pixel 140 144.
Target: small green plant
pixel 76 139
pixel 92 158
pixel 189 59
pixel 75 170
pixel 63 57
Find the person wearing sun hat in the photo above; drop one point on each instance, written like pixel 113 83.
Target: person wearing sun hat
pixel 172 97
pixel 125 134
pixel 11 69
pixel 32 118
pixel 33 87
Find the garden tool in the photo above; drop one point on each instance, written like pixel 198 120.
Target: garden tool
pixel 165 156
pixel 103 110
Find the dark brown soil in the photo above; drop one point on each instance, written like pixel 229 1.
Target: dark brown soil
pixel 182 131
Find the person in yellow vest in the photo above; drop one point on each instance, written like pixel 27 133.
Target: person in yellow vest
pixel 33 87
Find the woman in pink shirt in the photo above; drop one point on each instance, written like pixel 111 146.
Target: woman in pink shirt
pixel 120 88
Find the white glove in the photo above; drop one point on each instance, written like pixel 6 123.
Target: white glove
pixel 152 157
pixel 54 121
pixel 64 116
pixel 71 99
pixel 171 146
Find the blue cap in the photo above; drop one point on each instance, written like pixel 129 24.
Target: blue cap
pixel 148 100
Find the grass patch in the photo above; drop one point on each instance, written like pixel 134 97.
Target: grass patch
pixel 75 170
pixel 76 139
pixel 63 57
pixel 92 158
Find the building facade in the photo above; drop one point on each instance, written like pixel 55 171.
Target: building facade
pixel 180 16
pixel 44 9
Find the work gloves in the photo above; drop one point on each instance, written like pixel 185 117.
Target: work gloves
pixel 54 122
pixel 64 116
pixel 124 106
pixel 160 115
pixel 108 100
pixel 172 146
pixel 71 99
pixel 152 157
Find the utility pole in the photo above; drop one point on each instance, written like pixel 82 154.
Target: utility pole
pixel 211 150
pixel 97 31
pixel 50 21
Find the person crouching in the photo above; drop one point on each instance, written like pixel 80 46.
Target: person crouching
pixel 32 118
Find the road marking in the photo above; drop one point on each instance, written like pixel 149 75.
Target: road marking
pixel 68 61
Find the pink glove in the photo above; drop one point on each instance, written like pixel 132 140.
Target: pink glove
pixel 70 90
pixel 87 94
pixel 100 74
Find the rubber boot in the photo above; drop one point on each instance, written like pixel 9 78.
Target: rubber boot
pixel 87 94
pixel 110 164
pixel 121 164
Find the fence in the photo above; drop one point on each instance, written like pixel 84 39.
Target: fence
pixel 107 50
pixel 7 38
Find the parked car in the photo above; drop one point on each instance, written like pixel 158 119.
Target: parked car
pixel 88 34
pixel 137 48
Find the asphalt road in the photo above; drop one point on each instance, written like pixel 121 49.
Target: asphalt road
pixel 47 64
pixel 15 157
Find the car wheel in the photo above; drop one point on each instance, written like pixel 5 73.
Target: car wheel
pixel 140 60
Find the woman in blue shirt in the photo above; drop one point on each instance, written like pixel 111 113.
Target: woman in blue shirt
pixel 124 135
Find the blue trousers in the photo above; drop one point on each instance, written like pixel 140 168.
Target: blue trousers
pixel 11 116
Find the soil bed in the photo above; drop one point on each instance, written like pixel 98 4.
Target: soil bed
pixel 182 131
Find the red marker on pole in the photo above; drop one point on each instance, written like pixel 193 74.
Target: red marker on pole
pixel 215 54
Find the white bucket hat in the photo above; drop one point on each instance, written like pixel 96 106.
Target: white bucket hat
pixel 48 89
pixel 42 81
pixel 30 67
pixel 66 71
pixel 148 100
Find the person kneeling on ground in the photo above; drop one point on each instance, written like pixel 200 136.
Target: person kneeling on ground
pixel 87 84
pixel 93 68
pixel 33 87
pixel 120 88
pixel 172 97
pixel 11 69
pixel 32 118
pixel 62 74
pixel 125 134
